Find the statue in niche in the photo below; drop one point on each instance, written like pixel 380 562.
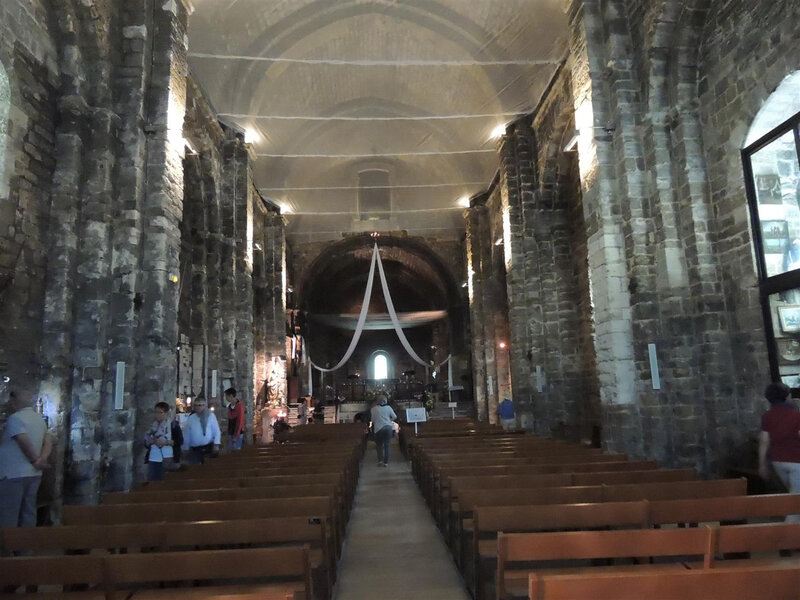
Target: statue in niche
pixel 276 383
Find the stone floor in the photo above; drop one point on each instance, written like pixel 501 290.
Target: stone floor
pixel 393 549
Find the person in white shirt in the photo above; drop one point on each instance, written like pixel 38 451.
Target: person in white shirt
pixel 25 447
pixel 382 425
pixel 202 435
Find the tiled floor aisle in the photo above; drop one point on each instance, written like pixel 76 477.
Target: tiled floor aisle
pixel 393 549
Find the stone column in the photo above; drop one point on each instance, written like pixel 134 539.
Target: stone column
pixel 606 241
pixel 214 241
pixel 93 376
pixel 243 205
pixel 517 185
pixel 56 387
pixel 491 302
pixel 474 216
pixel 157 334
pixel 126 298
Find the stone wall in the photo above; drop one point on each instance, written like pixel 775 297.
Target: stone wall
pixel 28 86
pixel 743 53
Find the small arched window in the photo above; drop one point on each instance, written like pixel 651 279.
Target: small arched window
pixel 5 105
pixel 381 367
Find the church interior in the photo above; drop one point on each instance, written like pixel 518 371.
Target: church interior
pixel 311 208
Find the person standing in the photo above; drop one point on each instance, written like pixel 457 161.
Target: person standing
pixel 508 418
pixel 382 424
pixel 25 447
pixel 158 441
pixel 779 440
pixel 202 433
pixel 235 419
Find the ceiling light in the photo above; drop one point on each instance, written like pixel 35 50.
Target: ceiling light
pixel 498 132
pixel 464 201
pixel 498 242
pixel 251 136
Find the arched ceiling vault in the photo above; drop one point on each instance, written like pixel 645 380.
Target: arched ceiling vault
pixel 347 114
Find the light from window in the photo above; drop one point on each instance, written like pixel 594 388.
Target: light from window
pixel 381 367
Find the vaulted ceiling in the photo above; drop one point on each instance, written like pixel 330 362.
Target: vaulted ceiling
pixel 329 88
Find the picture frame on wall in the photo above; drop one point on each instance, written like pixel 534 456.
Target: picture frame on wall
pixel 768 189
pixel 775 236
pixel 789 318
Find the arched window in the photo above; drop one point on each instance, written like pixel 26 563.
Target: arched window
pixel 5 105
pixel 771 163
pixel 380 366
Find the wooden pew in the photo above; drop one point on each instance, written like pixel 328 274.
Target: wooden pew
pixel 122 576
pixel 115 514
pixel 172 537
pixel 746 583
pixel 253 567
pixel 469 499
pixel 640 514
pixel 537 469
pixel 663 548
pixel 455 484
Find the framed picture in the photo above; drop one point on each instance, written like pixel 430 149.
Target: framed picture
pixel 789 318
pixel 793 381
pixel 768 189
pixel 775 236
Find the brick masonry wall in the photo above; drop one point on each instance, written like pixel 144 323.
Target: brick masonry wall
pixel 746 50
pixel 27 160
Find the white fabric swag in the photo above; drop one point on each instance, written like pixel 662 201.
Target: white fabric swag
pixel 398 327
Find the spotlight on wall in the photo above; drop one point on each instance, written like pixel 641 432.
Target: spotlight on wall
pixel 173 278
pixel 464 201
pixel 289 289
pixel 498 132
pixel 502 345
pixel 464 284
pixel 285 208
pixel 251 136
pixel 572 144
pixel 188 145
pixel 498 242
pixel 258 246
pixel 6 379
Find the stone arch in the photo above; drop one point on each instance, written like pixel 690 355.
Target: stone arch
pixel 783 103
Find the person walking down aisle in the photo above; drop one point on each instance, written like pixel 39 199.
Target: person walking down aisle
pixel 235 419
pixel 25 447
pixel 779 440
pixel 202 433
pixel 382 424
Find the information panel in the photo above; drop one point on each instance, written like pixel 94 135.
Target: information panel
pixel 416 415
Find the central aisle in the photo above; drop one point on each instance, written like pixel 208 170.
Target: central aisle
pixel 393 549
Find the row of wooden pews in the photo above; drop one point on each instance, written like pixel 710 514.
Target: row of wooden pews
pixel 527 517
pixel 267 522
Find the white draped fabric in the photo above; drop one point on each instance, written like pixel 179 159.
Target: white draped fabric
pixel 395 320
pixel 362 317
pixel 381 321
